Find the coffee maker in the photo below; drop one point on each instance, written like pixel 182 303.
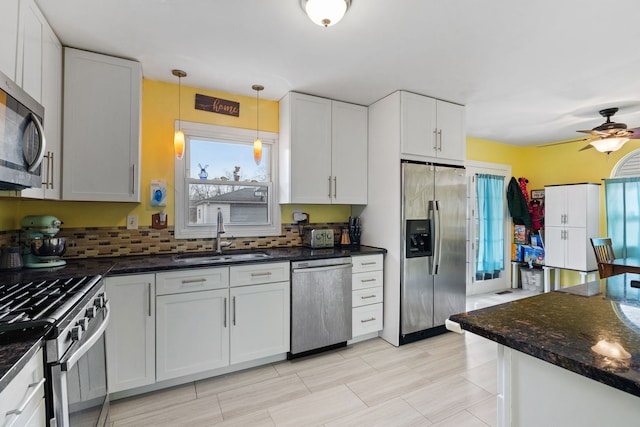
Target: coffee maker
pixel 41 249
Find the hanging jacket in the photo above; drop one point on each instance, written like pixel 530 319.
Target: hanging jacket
pixel 518 206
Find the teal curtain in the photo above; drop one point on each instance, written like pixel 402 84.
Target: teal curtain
pixel 490 251
pixel 622 196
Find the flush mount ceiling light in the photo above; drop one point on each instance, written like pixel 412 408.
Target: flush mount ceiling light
pixel 257 143
pixel 178 137
pixel 325 12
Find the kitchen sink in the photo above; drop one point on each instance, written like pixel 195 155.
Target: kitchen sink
pixel 208 257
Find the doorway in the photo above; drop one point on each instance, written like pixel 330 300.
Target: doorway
pixel 478 280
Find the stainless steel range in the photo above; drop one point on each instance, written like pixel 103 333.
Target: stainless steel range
pixel 72 314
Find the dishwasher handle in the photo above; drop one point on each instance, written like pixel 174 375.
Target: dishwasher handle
pixel 324 268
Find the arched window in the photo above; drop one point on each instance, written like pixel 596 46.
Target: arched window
pixel 629 165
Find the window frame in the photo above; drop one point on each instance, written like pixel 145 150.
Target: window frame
pixel 192 130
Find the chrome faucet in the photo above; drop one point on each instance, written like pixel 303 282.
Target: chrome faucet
pixel 219 231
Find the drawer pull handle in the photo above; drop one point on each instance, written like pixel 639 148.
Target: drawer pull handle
pixel 369 263
pixel 367 280
pixel 188 281
pixel 368 320
pixel 35 388
pixel 368 296
pixel 264 273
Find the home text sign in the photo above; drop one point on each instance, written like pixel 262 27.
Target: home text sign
pixel 217 105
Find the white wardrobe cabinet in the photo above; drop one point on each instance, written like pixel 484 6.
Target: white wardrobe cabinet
pixel 572 218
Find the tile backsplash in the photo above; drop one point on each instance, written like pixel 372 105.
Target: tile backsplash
pixel 118 241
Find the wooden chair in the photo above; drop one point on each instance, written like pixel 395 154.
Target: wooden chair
pixel 603 248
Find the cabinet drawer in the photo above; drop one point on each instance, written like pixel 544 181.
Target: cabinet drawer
pixel 366 319
pixel 367 280
pixel 192 280
pixel 251 274
pixel 366 296
pixel 363 263
pixel 25 389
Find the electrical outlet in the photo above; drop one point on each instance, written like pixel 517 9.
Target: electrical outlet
pixel 299 216
pixel 132 222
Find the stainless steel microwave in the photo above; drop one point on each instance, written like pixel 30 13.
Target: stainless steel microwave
pixel 22 141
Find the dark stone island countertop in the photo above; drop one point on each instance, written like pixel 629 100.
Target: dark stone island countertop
pixel 17 348
pixel 562 327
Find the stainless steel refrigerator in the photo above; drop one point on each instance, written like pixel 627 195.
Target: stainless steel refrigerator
pixel 433 262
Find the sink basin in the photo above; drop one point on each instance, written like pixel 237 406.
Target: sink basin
pixel 207 257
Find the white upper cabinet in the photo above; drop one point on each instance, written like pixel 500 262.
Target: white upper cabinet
pixel 323 151
pixel 52 102
pixel 431 129
pixel 101 127
pixel 9 37
pixel 349 153
pixel 31 30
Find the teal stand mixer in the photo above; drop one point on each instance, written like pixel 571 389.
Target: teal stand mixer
pixel 41 249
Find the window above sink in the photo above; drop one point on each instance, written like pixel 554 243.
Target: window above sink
pixel 218 172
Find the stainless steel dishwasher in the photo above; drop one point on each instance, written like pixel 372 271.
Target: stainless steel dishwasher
pixel 320 305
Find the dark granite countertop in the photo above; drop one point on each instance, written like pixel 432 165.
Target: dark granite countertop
pixel 141 264
pixel 15 352
pixel 562 328
pixel 16 349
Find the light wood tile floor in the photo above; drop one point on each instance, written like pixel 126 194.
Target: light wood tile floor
pixel 447 380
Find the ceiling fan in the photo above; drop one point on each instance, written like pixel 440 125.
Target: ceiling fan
pixel 611 135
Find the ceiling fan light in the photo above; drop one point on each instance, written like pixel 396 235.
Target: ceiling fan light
pixel 607 145
pixel 325 12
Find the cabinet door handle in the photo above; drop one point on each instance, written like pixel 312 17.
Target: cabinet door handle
pixel 368 263
pixel 440 138
pixel 133 179
pixel 50 184
pixel 224 318
pixel 368 296
pixel 329 187
pixel 371 319
pixel 335 187
pixel 149 300
pixel 46 184
pixel 435 139
pixel 367 280
pixel 234 311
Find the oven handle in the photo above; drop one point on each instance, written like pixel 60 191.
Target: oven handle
pixel 69 361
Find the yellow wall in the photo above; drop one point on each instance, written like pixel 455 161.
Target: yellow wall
pixel 159 111
pixel 559 164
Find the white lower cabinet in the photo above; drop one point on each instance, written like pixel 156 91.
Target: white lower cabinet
pixel 192 333
pixel 367 294
pixel 260 321
pixel 22 400
pixel 212 318
pixel 192 321
pixel 131 351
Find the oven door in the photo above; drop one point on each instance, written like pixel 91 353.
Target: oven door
pixel 79 380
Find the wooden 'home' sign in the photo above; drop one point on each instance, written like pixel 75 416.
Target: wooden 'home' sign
pixel 217 105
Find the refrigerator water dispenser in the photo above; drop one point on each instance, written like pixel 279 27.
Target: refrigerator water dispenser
pixel 418 238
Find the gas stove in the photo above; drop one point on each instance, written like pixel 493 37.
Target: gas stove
pixel 41 304
pixel 71 315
